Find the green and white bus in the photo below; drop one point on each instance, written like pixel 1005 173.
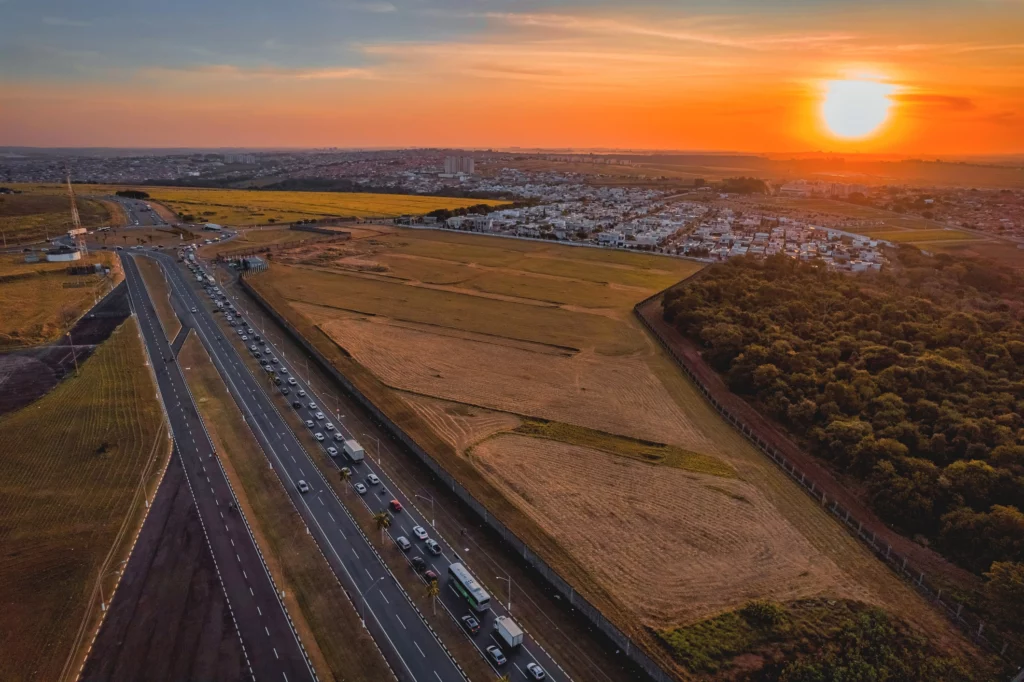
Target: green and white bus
pixel 466 585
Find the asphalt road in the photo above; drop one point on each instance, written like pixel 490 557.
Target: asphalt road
pixel 137 213
pixel 412 515
pixel 409 645
pixel 270 644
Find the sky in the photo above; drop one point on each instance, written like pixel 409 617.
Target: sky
pixel 933 77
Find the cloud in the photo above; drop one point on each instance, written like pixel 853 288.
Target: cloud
pixel 64 21
pixel 263 72
pixel 945 102
pixel 375 6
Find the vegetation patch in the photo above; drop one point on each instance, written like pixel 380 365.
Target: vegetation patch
pixel 74 469
pixel 634 448
pixel 813 641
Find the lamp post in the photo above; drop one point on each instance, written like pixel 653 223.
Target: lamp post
pixel 431 500
pixel 362 595
pixel 509 581
pixel 117 569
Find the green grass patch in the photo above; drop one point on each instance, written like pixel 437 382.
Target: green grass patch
pixel 644 451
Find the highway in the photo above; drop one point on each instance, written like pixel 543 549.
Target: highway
pixel 411 515
pixel 137 213
pixel 402 635
pixel 271 646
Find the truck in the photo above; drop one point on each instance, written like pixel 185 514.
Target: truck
pixel 508 631
pixel 210 279
pixel 353 450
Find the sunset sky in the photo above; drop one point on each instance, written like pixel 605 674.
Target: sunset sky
pixel 946 76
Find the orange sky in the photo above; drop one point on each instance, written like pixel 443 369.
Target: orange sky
pixel 734 76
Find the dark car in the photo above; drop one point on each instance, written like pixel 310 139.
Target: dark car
pixel 296 404
pixel 430 575
pixel 418 563
pixel 471 624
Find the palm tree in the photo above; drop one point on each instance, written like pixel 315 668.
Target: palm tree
pixel 433 589
pixel 345 474
pixel 505 678
pixel 383 520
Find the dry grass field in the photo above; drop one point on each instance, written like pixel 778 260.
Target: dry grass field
pixel 917 236
pixel 560 414
pixel 256 207
pixel 37 214
pixel 144 236
pixel 40 301
pixel 71 468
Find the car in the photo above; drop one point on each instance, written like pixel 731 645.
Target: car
pixel 249 330
pixel 257 355
pixel 312 405
pixel 284 390
pixel 309 424
pixel 396 506
pixel 302 486
pixel 264 363
pixel 471 624
pixel 430 575
pixel 283 370
pixel 253 348
pixel 496 655
pixel 319 436
pixel 373 480
pixel 403 542
pixel 274 360
pixel 433 547
pixel 277 381
pixel 360 488
pixel 319 415
pixel 338 437
pixel 194 310
pixel 329 426
pixel 240 331
pixel 535 671
pixel 302 394
pixel 244 337
pixel 332 451
pixel 269 369
pixel 418 563
pixel 291 380
pixel 266 349
pixel 419 532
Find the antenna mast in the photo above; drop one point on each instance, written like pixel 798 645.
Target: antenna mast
pixel 76 232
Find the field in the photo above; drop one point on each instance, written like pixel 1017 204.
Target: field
pixel 37 214
pixel 520 366
pixel 153 276
pixel 255 207
pixel 75 465
pixel 144 236
pixel 920 236
pixel 40 301
pixel 326 620
pixel 252 238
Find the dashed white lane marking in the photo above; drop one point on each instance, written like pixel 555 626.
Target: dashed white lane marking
pixel 419 649
pixel 258 611
pixel 354 554
pixel 275 655
pixel 400 622
pixel 251 592
pixel 383 597
pixel 266 630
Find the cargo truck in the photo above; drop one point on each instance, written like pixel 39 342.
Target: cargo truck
pixel 508 631
pixel 353 450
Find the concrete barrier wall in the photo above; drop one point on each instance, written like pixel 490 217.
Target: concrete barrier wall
pixel 589 611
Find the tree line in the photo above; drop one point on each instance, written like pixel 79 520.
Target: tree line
pixel 909 381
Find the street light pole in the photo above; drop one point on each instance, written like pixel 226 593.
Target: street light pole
pixel 362 595
pixel 509 581
pixel 431 499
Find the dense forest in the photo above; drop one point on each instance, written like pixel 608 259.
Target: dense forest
pixel 911 381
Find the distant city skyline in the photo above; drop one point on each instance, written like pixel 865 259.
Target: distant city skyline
pixel 917 78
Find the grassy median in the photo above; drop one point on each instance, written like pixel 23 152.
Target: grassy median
pixel 153 276
pixel 325 618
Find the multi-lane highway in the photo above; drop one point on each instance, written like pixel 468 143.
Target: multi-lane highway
pixel 271 645
pixel 401 633
pixel 138 212
pixel 378 497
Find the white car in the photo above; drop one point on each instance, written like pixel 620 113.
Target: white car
pixel 536 672
pixel 360 488
pixel 302 394
pixel 312 406
pixel 319 415
pixel 419 532
pixel 309 424
pixel 332 451
pixel 291 381
pixel 194 310
pixel 244 337
pixel 372 478
pixel 319 436
pixel 329 426
pixel 302 486
pixel 283 370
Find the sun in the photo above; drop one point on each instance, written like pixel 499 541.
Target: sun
pixel 855 109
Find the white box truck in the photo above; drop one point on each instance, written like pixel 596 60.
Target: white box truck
pixel 508 631
pixel 353 450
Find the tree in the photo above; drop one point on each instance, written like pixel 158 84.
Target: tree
pixel 346 475
pixel 1004 592
pixel 383 521
pixel 433 590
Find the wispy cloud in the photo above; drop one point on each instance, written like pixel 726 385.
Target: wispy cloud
pixel 375 6
pixel 64 21
pixel 947 102
pixel 264 72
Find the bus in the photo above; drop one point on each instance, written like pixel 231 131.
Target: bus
pixel 466 585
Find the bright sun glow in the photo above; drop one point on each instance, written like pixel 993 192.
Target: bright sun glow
pixel 856 108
